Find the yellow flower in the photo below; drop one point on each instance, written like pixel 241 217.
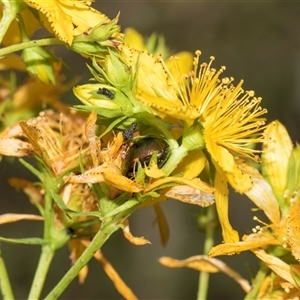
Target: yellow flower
pixel 67 18
pixel 278 196
pixel 229 117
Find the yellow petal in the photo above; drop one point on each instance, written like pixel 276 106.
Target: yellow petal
pixel 64 16
pixel 134 39
pixel 223 159
pixel 181 63
pixel 154 172
pixel 222 201
pixel 277 148
pixel 203 263
pixel 192 165
pixel 152 79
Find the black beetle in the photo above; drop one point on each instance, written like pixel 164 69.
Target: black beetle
pixel 142 151
pixel 107 93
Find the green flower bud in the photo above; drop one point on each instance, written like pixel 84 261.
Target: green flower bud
pixel 38 63
pixel 117 73
pixel 95 42
pixel 106 100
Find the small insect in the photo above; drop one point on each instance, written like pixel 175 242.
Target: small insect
pixel 128 133
pixel 107 93
pixel 142 151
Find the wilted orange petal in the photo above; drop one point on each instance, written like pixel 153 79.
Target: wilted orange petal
pixel 138 241
pixel 191 195
pixel 15 147
pixel 94 141
pixel 9 218
pixel 199 263
pixel 261 194
pixel 90 176
pixel 76 247
pixel 281 268
pixel 162 224
pixel 206 264
pixel 252 241
pixel 34 194
pixel 120 285
pixel 12 61
pixel 194 183
pixel 108 173
pixel 113 176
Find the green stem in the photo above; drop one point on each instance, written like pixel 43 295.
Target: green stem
pixel 5 286
pixel 177 154
pixel 41 271
pixel 48 250
pixel 99 239
pixel 256 284
pixel 208 244
pixel 21 46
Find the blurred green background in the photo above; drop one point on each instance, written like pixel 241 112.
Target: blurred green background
pixel 257 42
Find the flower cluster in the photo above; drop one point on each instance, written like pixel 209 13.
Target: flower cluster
pixel 151 127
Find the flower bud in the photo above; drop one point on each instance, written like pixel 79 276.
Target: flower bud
pixel 38 63
pixel 96 40
pixel 106 100
pixel 277 148
pixel 117 73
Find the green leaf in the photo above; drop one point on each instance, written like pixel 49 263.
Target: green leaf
pixel 33 170
pixel 26 241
